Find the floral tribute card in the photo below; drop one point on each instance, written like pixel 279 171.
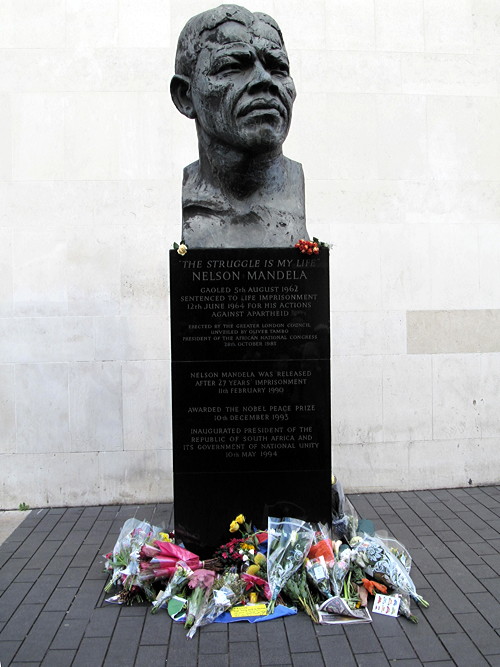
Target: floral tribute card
pixel 386 604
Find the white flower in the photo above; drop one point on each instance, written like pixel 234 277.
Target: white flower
pixel 182 249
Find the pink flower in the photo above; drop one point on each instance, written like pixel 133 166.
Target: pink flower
pixel 201 578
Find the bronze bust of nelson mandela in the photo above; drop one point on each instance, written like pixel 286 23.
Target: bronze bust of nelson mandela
pixel 232 77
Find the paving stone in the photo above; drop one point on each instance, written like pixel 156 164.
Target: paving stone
pixel 329 630
pixel 464 531
pixel 465 553
pixel 20 622
pixel 213 642
pixel 61 599
pixel 426 563
pixel 124 642
pixel 462 577
pixel 28 576
pixel 70 634
pixel 270 656
pixel 409 517
pixel 451 594
pixel 59 658
pixel 47 523
pixel 436 546
pixel 242 654
pixel 57 565
pixel 336 651
pixel 40 636
pixel 481 632
pixel 73 576
pixel 463 651
pixel 42 589
pixel 488 606
pixel 72 543
pixel 493 562
pixel 422 530
pixel 424 640
pixel 214 660
pixel 102 621
pixel 362 638
pixel 301 634
pixel 10 571
pixel 29 546
pixel 307 659
pixel 484 548
pixel 156 628
pixel 181 657
pixel 385 626
pixel 372 660
pixel 397 648
pixel 43 554
pixel 91 652
pixel 405 536
pixel 241 632
pixel 86 599
pixel 99 532
pixel 8 650
pixel 152 656
pixel 12 598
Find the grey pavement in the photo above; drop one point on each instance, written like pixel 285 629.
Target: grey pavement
pixel 52 609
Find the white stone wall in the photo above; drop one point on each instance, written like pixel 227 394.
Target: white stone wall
pixel 397 124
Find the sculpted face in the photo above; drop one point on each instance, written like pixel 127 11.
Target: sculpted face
pixel 241 90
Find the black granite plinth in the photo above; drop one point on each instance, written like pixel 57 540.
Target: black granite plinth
pixel 250 389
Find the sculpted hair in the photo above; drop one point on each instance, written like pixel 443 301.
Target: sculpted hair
pixel 192 38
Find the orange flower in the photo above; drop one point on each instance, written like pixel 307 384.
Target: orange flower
pixel 372 586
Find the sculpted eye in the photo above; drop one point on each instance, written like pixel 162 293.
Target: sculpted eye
pixel 229 67
pixel 280 70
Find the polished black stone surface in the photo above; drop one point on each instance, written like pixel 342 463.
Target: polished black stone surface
pixel 250 389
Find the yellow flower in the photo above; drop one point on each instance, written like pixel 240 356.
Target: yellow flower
pixel 240 518
pixel 259 558
pixel 164 537
pixel 253 569
pixel 182 249
pixel 234 526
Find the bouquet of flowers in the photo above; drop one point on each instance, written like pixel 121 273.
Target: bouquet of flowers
pixel 201 583
pixel 320 561
pixel 298 591
pixel 175 586
pixel 344 517
pixel 123 562
pixel 383 565
pixel 226 591
pixel 159 560
pixel 289 541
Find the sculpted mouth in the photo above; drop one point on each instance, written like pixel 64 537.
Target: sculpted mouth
pixel 264 105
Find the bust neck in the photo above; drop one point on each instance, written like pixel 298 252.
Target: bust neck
pixel 240 174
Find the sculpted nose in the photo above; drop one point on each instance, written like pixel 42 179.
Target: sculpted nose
pixel 261 79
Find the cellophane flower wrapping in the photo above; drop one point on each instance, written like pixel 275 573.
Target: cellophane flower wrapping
pixel 159 561
pixel 201 582
pixel 340 570
pixel 344 517
pixel 226 591
pixel 298 591
pixel 383 564
pixel 321 560
pixel 289 541
pixel 124 563
pixel 175 586
pixel 319 575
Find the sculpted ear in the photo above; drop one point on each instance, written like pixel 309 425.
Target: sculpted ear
pixel 180 90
